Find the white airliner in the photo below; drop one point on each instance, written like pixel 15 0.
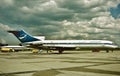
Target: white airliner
pixel 39 42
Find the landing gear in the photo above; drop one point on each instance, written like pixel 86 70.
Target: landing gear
pixel 40 51
pixel 95 50
pixel 60 51
pixel 107 51
pixel 111 50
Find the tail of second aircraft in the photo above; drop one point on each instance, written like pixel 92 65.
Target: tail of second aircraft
pixel 23 36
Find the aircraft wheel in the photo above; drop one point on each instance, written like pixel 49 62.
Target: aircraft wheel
pixel 60 51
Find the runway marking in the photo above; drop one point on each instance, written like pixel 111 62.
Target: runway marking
pixel 83 69
pixel 12 73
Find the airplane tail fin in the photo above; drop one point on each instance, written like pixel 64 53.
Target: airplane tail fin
pixel 23 36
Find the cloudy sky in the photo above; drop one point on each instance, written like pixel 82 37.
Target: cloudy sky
pixel 61 19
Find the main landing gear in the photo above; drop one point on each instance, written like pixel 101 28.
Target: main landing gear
pixel 95 50
pixel 60 51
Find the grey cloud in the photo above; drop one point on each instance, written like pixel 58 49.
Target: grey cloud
pixel 4 34
pixel 61 19
pixel 6 3
pixel 34 16
pixel 5 27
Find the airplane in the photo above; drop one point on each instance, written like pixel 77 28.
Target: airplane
pixel 39 42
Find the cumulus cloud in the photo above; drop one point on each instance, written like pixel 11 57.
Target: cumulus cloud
pixel 102 27
pixel 3 41
pixel 6 3
pixel 49 4
pixel 5 27
pixel 41 7
pixel 62 19
pixel 4 35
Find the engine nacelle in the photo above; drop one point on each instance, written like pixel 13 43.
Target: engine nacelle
pixel 42 38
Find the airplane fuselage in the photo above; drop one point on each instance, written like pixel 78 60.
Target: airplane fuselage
pixel 74 44
pixel 41 43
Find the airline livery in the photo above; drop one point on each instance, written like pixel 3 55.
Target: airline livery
pixel 39 42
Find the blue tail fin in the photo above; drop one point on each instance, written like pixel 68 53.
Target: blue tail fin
pixel 23 36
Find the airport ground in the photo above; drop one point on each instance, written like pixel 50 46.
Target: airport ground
pixel 71 63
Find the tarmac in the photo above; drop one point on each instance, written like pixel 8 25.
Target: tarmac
pixel 70 63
